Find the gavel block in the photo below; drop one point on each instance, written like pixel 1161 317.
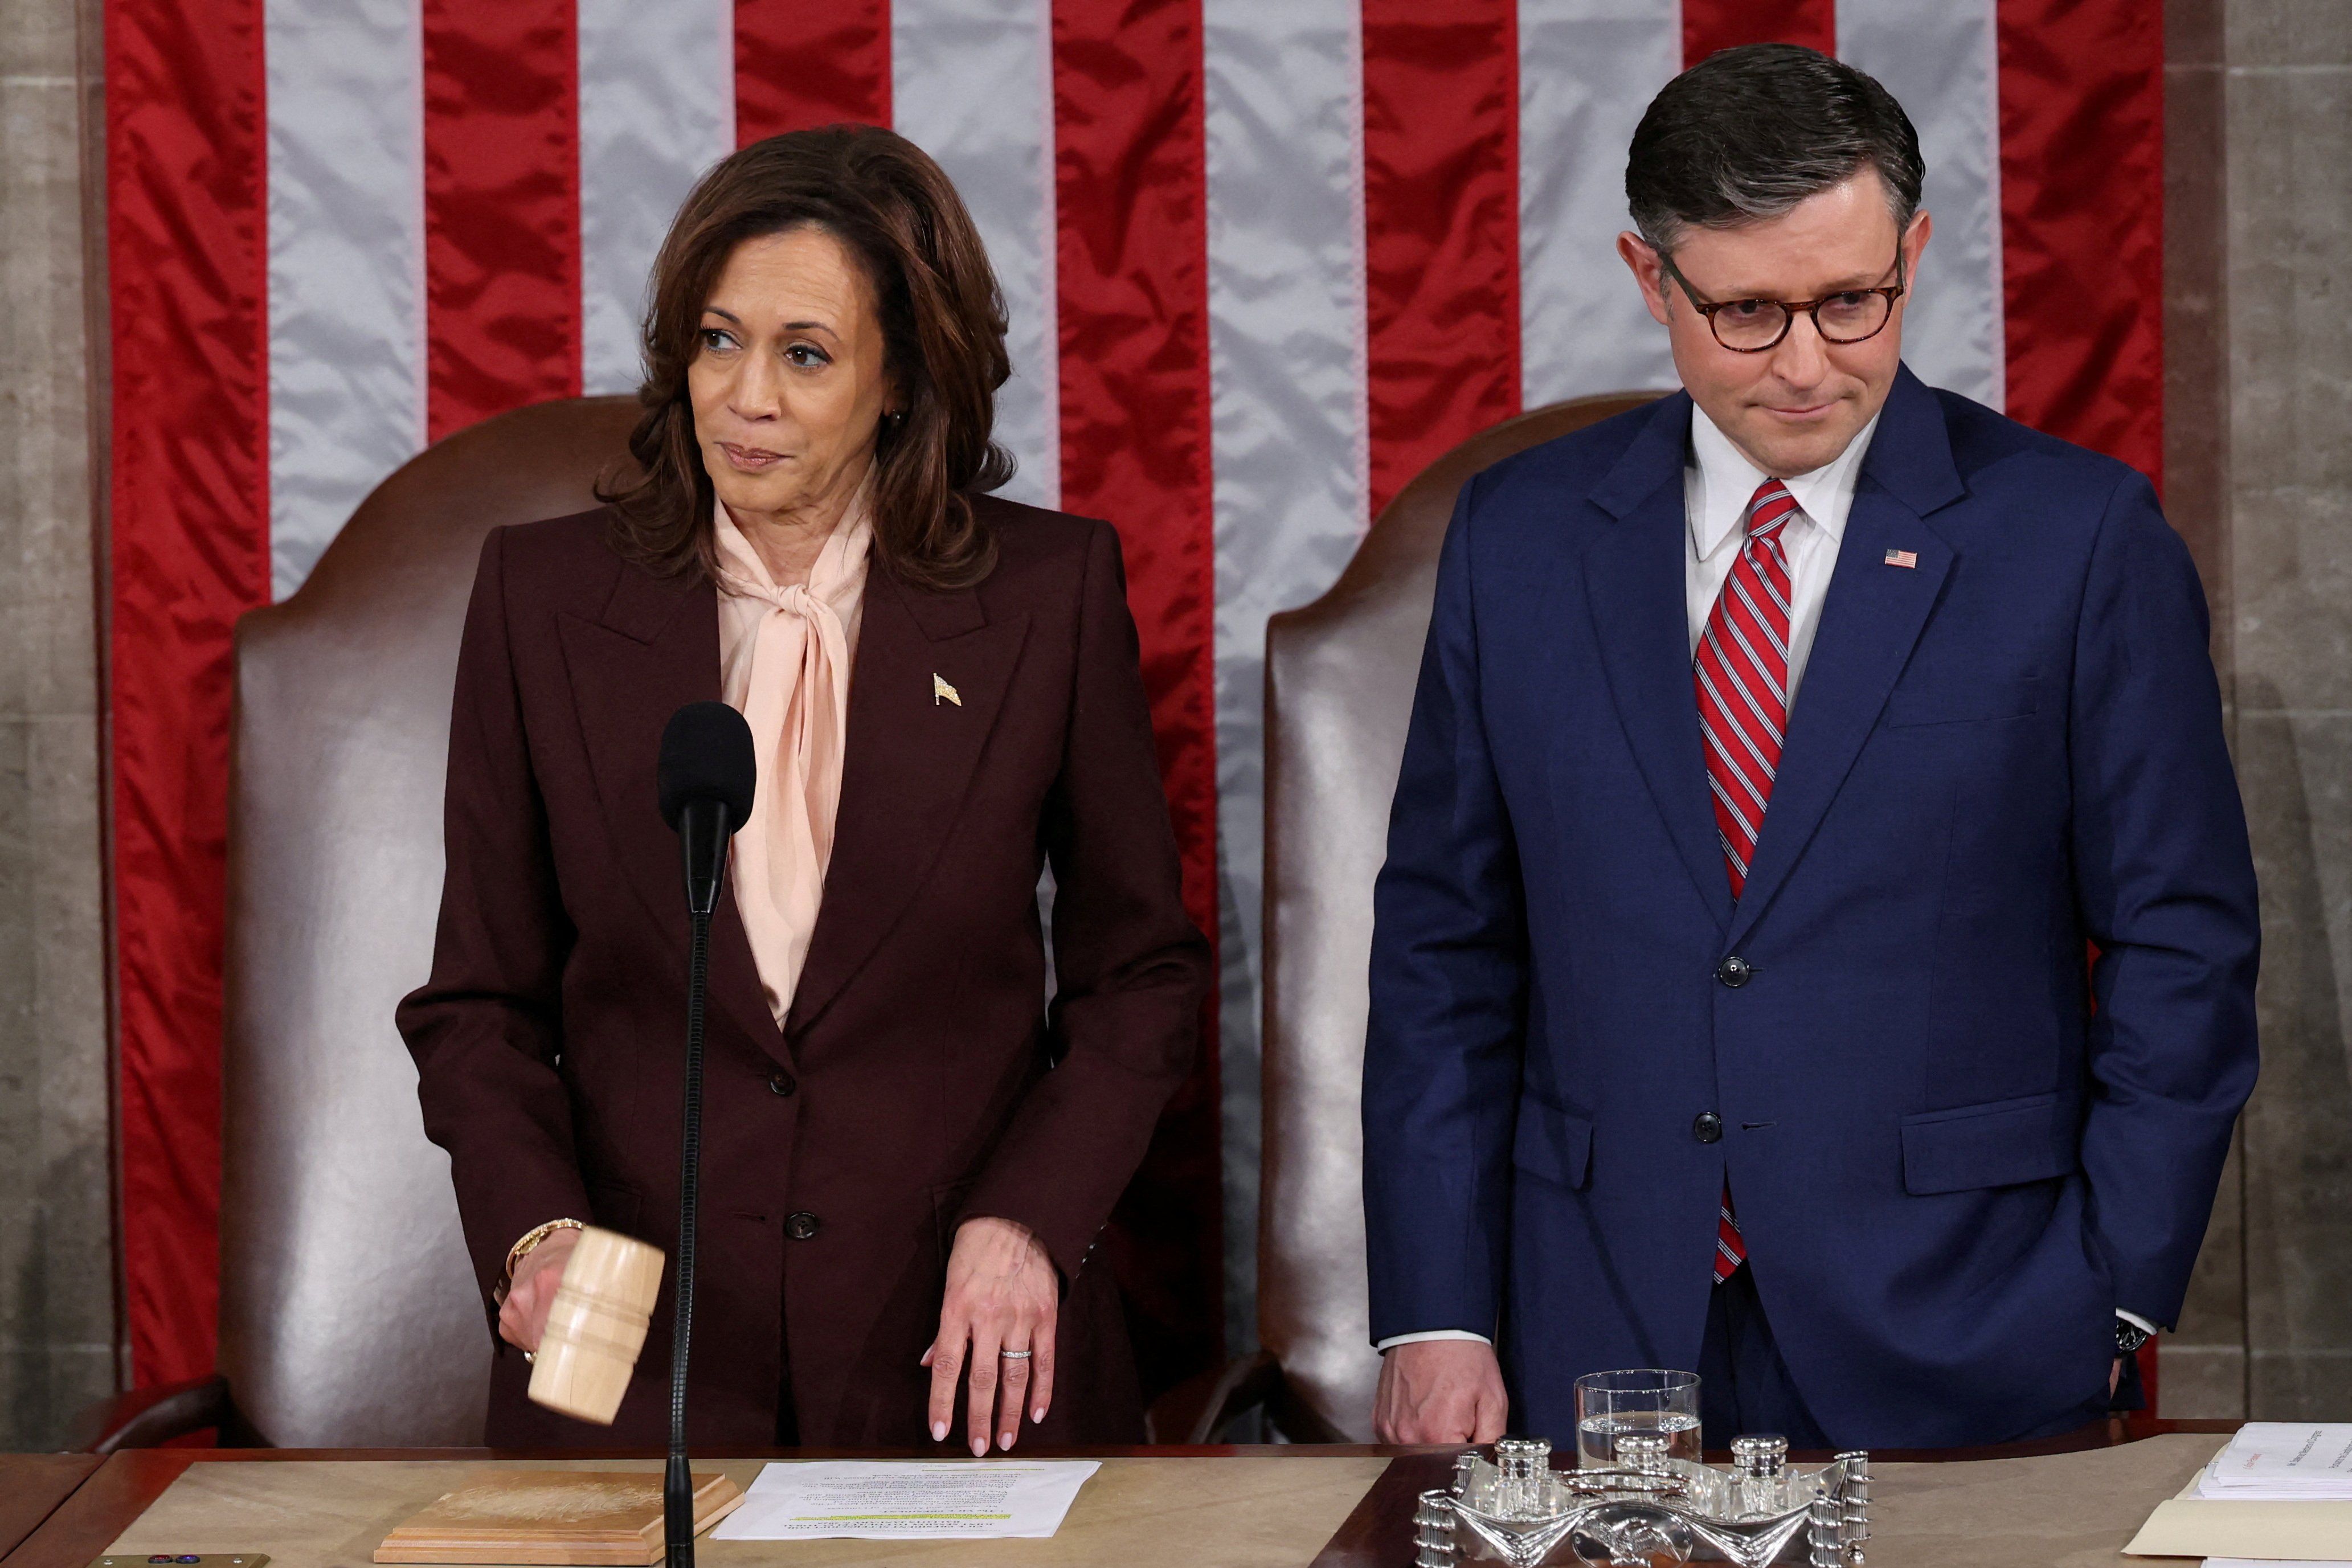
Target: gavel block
pixel 527 1515
pixel 596 1326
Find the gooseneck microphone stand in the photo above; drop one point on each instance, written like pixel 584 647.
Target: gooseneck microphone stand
pixel 709 777
pixel 677 1481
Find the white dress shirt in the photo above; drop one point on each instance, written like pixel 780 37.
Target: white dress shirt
pixel 1718 483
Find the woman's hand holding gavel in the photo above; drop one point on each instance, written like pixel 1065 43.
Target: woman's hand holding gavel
pixel 522 1316
pixel 1003 1293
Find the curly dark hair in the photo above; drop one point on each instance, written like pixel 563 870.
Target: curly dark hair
pixel 895 211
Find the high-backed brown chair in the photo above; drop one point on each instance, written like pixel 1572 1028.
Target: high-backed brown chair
pixel 349 1315
pixel 1340 676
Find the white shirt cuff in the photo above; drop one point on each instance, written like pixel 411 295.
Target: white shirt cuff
pixel 2137 1321
pixel 1395 1340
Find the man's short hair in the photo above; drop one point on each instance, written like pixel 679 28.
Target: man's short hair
pixel 1752 131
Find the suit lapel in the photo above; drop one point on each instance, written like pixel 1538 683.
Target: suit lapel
pixel 1635 581
pixel 1870 623
pixel 910 757
pixel 654 649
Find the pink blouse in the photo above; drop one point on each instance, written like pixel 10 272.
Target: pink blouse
pixel 784 663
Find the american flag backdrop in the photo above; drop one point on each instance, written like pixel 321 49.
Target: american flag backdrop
pixel 1264 260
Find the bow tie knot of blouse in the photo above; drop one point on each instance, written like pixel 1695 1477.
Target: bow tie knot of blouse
pixel 784 653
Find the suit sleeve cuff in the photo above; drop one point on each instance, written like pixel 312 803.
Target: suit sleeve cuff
pixel 2139 1322
pixel 1395 1340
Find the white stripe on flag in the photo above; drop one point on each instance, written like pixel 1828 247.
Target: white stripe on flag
pixel 1587 70
pixel 1937 57
pixel 1284 123
pixel 345 111
pixel 656 108
pixel 971 84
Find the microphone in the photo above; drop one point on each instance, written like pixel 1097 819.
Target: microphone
pixel 708 776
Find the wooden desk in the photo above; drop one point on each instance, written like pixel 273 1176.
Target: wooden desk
pixel 1270 1507
pixel 2067 1503
pixel 31 1486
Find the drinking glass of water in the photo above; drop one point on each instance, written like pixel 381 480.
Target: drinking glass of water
pixel 1648 1403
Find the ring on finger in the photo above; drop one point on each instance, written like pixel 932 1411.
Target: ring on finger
pixel 1014 1354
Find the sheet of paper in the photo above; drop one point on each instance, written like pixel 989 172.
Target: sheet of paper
pixel 2280 1459
pixel 911 1500
pixel 2270 1563
pixel 2273 1531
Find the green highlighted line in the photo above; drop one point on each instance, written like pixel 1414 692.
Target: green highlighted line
pixel 884 1518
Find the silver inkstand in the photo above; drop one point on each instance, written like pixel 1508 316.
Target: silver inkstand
pixel 1646 1509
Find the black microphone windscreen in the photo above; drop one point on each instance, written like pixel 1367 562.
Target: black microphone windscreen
pixel 706 755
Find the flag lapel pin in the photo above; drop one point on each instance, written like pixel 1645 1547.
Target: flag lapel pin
pixel 1902 558
pixel 942 692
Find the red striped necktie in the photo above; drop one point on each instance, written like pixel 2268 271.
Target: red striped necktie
pixel 1741 672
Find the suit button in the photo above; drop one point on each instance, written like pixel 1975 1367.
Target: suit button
pixel 801 1227
pixel 781 1083
pixel 1735 971
pixel 1708 1128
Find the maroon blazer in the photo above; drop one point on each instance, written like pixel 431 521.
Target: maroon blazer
pixel 920 1078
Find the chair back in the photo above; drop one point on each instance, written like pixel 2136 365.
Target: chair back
pixel 348 1313
pixel 1339 682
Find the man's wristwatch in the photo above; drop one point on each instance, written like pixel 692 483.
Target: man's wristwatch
pixel 2129 1337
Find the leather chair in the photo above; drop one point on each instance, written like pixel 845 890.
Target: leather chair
pixel 1340 677
pixel 349 1315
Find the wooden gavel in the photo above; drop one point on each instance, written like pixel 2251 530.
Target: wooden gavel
pixel 596 1326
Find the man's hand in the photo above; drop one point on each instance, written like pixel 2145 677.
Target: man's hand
pixel 1002 1294
pixel 522 1316
pixel 1441 1391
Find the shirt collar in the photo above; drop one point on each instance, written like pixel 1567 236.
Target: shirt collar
pixel 837 578
pixel 1726 480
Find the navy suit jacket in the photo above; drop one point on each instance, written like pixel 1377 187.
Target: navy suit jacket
pixel 1954 1151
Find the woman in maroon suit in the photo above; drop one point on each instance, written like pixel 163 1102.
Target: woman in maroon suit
pixel 907 1153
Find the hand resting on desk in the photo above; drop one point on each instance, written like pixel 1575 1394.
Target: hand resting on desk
pixel 1440 1391
pixel 1002 1294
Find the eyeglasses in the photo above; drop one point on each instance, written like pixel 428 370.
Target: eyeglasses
pixel 1752 325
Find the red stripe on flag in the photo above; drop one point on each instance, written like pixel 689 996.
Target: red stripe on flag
pixel 189 552
pixel 1712 25
pixel 2082 220
pixel 1441 229
pixel 1131 188
pixel 803 63
pixel 501 207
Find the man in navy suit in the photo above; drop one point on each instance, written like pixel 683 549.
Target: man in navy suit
pixel 1778 748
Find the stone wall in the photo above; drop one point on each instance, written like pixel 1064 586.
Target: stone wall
pixel 58 1317
pixel 2259 454
pixel 2289 105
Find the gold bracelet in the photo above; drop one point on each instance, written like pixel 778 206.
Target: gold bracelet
pixel 521 1249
